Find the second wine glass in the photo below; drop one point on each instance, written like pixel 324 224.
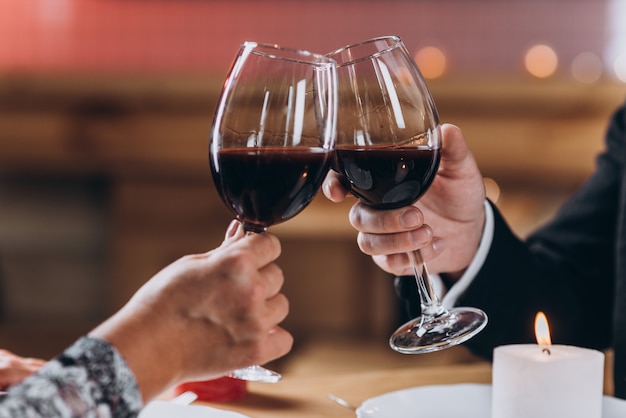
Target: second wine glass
pixel 388 152
pixel 273 139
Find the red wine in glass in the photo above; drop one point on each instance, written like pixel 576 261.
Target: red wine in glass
pixel 272 140
pixel 386 177
pixel 394 177
pixel 266 186
pixel 387 154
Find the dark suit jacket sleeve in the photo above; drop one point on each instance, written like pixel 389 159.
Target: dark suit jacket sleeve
pixel 566 269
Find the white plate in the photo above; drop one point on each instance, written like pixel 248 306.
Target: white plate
pixel 163 409
pixel 450 401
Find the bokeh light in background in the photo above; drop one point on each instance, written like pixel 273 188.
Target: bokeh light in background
pixel 615 51
pixel 619 66
pixel 478 38
pixel 541 61
pixel 431 62
pixel 587 67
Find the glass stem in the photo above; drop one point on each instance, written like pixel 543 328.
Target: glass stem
pixel 430 304
pixel 251 229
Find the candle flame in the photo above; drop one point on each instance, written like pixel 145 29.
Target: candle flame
pixel 542 331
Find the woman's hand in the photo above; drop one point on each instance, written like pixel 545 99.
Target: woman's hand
pixel 14 369
pixel 205 315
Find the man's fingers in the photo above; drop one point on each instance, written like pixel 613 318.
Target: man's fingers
pixel 454 149
pixel 376 244
pixel 373 221
pixel 333 188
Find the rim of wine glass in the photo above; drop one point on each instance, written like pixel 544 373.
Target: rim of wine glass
pixel 317 59
pixel 396 42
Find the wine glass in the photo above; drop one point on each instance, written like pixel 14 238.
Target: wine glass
pixel 387 153
pixel 272 140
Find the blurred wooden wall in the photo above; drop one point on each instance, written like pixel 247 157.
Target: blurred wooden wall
pixel 135 151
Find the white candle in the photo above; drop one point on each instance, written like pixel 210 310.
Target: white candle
pixel 547 381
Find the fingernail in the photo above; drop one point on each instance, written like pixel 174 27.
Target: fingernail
pixel 438 245
pixel 232 229
pixel 410 219
pixel 326 189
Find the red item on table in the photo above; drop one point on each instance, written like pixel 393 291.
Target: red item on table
pixel 222 389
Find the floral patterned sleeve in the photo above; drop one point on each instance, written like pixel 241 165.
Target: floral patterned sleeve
pixel 89 379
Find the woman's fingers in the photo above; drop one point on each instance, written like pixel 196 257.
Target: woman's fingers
pixel 14 369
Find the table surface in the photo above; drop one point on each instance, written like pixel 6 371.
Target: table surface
pixel 304 397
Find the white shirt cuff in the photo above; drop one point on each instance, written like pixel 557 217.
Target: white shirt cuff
pixel 453 294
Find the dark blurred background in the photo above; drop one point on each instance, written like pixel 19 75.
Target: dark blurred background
pixel 106 106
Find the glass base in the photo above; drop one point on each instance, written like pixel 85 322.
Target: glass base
pixel 256 374
pixel 427 334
